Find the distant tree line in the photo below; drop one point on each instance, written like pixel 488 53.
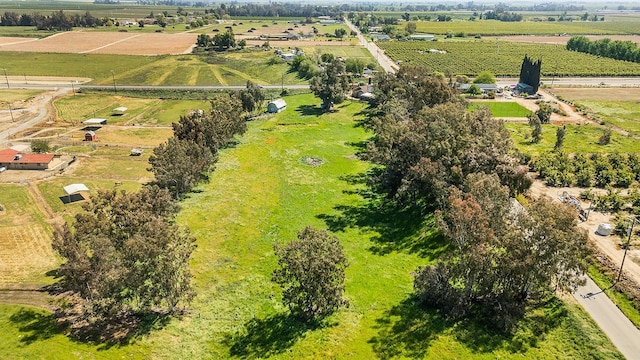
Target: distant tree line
pixel 614 49
pixel 502 16
pixel 58 20
pixel 284 10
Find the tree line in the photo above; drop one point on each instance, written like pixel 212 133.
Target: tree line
pixel 433 153
pixel 614 49
pixel 58 20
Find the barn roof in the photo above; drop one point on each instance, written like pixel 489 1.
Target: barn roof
pixel 7 155
pixel 120 109
pixel 90 132
pixel 74 188
pixel 95 121
pixel 35 159
pixel 279 103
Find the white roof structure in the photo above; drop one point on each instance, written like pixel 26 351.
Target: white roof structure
pixel 95 121
pixel 74 188
pixel 120 109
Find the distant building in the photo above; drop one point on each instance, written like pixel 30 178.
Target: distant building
pixel 380 37
pixel 95 121
pixel 14 160
pixel 90 136
pixel 485 88
pixel 422 37
pixel 276 106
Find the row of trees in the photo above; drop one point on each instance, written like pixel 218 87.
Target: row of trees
pixel 560 169
pixel 435 153
pixel 220 41
pixel 185 159
pixel 124 255
pixel 615 49
pixel 58 20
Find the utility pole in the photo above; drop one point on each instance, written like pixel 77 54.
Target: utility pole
pixel 6 78
pixel 626 248
pixel 11 112
pixel 113 76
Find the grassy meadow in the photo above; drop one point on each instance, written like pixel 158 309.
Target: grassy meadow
pixel 296 168
pixel 502 109
pixel 578 139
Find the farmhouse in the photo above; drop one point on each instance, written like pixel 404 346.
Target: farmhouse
pixel 524 88
pixel 90 136
pixel 14 160
pixel 276 106
pixel 485 88
pixel 95 121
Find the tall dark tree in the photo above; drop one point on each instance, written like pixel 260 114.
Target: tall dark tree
pixel 252 97
pixel 125 254
pixel 311 273
pixel 530 72
pixel 536 128
pixel 505 254
pixel 178 165
pixel 215 128
pixel 331 84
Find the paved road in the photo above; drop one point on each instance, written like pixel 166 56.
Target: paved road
pixel 385 62
pixel 622 333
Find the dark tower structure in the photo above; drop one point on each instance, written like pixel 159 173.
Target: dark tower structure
pixel 530 73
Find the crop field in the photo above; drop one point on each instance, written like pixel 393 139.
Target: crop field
pixel 25 239
pixel 470 57
pixel 223 69
pixel 579 139
pixel 502 109
pixel 495 27
pixel 618 107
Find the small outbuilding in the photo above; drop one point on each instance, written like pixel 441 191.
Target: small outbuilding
pixel 119 111
pixel 136 152
pixel 73 192
pixel 276 106
pixel 95 121
pixel 90 136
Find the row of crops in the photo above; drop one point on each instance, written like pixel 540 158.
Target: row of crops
pixel 495 27
pixel 469 57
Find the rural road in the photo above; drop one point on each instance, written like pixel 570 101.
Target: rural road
pixel 622 333
pixel 385 62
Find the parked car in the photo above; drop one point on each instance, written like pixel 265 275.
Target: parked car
pixel 3 169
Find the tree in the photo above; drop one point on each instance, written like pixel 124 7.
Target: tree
pixel 224 40
pixel 354 66
pixel 474 90
pixel 252 97
pixel 311 273
pixel 340 32
pixel 544 112
pixel 504 254
pixel 327 58
pixel 213 129
pixel 40 146
pixel 536 131
pixel 485 77
pixel 331 84
pixel 423 154
pixel 179 165
pixel 560 134
pixel 125 254
pixel 410 27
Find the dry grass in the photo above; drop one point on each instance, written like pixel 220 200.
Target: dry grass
pixel 25 254
pixel 599 93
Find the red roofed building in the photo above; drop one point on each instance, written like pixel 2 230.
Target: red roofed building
pixel 14 160
pixel 7 156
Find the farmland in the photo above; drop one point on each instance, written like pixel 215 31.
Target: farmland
pixel 470 57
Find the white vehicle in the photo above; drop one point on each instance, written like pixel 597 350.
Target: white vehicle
pixel 3 169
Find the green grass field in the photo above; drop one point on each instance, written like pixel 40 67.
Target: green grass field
pixel 502 108
pixel 622 114
pixel 219 69
pixel 11 95
pixel 263 191
pixel 579 139
pixel 495 27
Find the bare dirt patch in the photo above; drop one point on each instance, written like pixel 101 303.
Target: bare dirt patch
pixel 599 93
pixel 106 43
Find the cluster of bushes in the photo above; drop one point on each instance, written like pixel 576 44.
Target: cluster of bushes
pixel 614 49
pixel 559 169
